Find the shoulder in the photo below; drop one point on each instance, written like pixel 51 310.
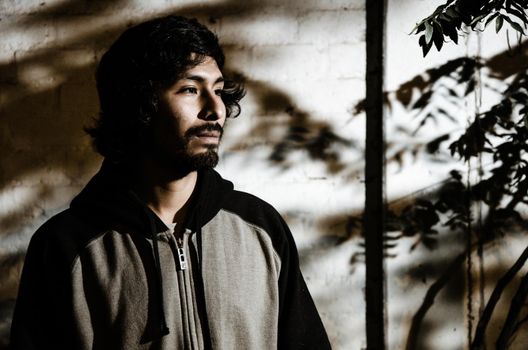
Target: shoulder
pixel 242 200
pixel 259 213
pixel 252 208
pixel 57 223
pixel 62 236
pixel 61 226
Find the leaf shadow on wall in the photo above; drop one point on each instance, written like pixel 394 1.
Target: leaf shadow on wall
pixel 441 217
pixel 48 95
pixel 299 130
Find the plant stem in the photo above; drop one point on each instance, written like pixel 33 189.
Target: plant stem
pixel 429 298
pixel 515 307
pixel 479 339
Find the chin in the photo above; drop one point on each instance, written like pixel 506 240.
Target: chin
pixel 207 159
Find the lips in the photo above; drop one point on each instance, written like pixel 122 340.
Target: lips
pixel 209 137
pixel 208 134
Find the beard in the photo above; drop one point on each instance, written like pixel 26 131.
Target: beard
pixel 178 157
pixel 193 162
pixel 207 159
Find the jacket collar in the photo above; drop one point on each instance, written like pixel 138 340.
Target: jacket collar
pixel 109 202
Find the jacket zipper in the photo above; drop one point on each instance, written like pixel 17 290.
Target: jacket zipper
pixel 181 249
pixel 182 257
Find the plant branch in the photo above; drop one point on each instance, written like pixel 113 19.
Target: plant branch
pixel 478 340
pixel 515 308
pixel 429 299
pixel 519 324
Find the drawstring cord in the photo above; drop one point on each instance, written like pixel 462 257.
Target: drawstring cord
pixel 205 326
pixel 164 330
pixel 163 324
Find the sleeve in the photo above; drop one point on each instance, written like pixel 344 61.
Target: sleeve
pixel 300 326
pixel 39 318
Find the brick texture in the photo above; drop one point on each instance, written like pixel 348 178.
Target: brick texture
pixel 297 143
pixel 303 64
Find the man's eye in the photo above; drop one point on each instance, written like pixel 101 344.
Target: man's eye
pixel 219 92
pixel 189 90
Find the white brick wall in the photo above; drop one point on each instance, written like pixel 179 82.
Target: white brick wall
pixel 308 56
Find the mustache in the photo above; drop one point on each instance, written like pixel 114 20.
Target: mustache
pixel 196 130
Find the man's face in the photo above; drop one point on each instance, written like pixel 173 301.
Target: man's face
pixel 189 125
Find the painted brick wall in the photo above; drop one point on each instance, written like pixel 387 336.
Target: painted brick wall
pixel 303 63
pixel 297 143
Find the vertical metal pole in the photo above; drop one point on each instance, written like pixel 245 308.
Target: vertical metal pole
pixel 374 177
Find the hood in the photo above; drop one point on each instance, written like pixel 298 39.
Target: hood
pixel 109 202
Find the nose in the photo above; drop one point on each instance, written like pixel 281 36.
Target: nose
pixel 214 107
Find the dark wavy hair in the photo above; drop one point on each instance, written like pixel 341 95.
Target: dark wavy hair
pixel 145 60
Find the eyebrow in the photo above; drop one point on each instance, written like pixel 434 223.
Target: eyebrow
pixel 201 79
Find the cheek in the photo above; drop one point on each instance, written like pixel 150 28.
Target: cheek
pixel 167 130
pixel 181 118
pixel 173 123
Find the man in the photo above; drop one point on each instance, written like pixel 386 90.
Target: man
pixel 158 251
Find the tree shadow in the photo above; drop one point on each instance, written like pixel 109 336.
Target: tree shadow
pixel 298 131
pixel 48 95
pixel 41 128
pixel 439 94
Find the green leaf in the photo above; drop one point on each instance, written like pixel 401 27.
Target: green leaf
pixel 514 25
pixel 438 37
pixel 518 6
pixel 450 31
pixel 521 15
pixel 498 24
pixel 443 17
pixel 428 32
pixel 517 27
pixel 452 12
pixel 476 20
pixel 425 46
pixel 454 36
pixel 438 10
pixel 418 27
pixel 491 18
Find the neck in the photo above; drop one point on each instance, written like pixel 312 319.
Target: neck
pixel 166 194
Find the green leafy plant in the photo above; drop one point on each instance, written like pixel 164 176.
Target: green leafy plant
pixel 501 132
pixel 449 19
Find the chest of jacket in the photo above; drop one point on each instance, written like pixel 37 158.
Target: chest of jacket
pixel 225 297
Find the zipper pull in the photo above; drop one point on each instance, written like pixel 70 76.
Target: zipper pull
pixel 182 258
